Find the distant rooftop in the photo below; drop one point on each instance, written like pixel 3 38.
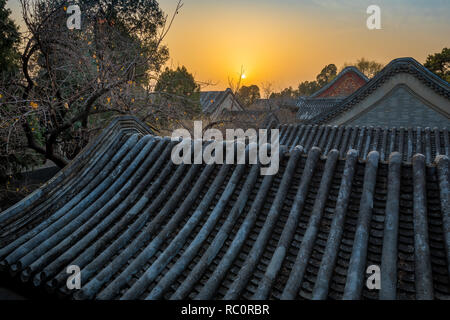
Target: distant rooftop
pixel 346 82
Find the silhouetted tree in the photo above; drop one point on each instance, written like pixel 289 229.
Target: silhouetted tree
pixel 72 81
pixel 179 83
pixel 439 63
pixel 248 94
pixel 9 41
pixel 9 63
pixel 307 88
pixel 327 74
pixel 368 67
pixel 287 93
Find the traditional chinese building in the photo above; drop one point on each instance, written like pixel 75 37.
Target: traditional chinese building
pixel 215 103
pixel 403 94
pixel 346 82
pixel 140 227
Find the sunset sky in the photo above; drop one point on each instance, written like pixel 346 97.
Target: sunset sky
pixel 288 41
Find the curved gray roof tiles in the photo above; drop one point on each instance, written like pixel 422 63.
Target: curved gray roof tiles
pixel 141 227
pixel 309 108
pixel 396 66
pixel 406 141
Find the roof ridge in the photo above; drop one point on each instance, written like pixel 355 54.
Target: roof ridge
pixel 127 210
pixel 399 65
pixel 340 75
pixel 428 141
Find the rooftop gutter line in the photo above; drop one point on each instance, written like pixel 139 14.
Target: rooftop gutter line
pixel 321 287
pixel 339 138
pixel 196 244
pixel 428 145
pixel 176 244
pixel 317 136
pixel 355 273
pixel 330 140
pixel 142 235
pixel 93 254
pixel 389 254
pixel 437 141
pixel 260 243
pixel 352 141
pixel 310 138
pixel 292 135
pixel 289 133
pixel 383 145
pixel 219 240
pixel 295 279
pixel 323 139
pixel 368 142
pixel 393 138
pixel 288 233
pixel 446 142
pixel 112 289
pixel 225 263
pixel 344 143
pixel 362 132
pixel 137 231
pixel 423 270
pixel 443 168
pixel 305 136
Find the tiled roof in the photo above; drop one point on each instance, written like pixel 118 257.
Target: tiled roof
pixel 406 141
pixel 309 108
pixel 346 82
pixel 211 100
pixel 141 227
pixel 395 67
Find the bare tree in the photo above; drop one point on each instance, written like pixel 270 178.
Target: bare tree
pixel 71 82
pixel 268 89
pixel 368 67
pixel 235 84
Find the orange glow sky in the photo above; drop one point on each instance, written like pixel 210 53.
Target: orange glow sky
pixel 288 41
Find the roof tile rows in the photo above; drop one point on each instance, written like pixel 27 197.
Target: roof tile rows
pixel 141 227
pixel 309 108
pixel 211 100
pixel 406 141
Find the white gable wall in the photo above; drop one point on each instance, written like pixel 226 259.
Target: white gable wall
pixel 408 103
